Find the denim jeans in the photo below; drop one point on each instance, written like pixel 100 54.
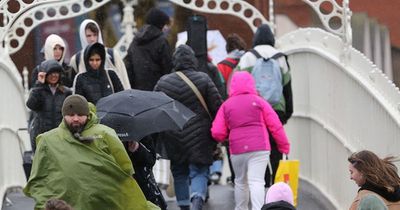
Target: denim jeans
pixel 189 181
pixel 216 167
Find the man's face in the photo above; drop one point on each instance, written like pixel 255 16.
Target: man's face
pixel 75 123
pixel 91 37
pixel 95 61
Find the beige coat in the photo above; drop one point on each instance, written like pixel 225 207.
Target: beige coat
pixel 362 193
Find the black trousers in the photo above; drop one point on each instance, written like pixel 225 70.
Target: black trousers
pixel 275 157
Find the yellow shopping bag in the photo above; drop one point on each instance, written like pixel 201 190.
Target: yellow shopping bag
pixel 288 172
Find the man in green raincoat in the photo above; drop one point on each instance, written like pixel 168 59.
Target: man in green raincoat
pixel 83 163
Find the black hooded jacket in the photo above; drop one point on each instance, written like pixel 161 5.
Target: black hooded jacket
pixel 279 205
pixel 46 105
pixel 96 84
pixel 194 143
pixel 148 58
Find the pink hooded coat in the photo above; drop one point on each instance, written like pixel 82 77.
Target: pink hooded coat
pixel 245 117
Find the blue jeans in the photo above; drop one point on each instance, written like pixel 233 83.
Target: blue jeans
pixel 216 167
pixel 189 181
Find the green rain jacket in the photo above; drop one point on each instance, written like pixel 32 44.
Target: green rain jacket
pixel 88 176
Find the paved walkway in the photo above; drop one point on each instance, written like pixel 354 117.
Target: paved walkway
pixel 221 198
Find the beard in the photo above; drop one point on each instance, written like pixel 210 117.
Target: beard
pixel 75 127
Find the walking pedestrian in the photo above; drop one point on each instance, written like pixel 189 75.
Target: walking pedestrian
pixel 83 163
pixel 96 82
pixel 46 99
pixel 235 46
pixel 375 176
pixel 149 54
pixel 245 117
pixel 190 150
pixel 89 33
pixel 263 44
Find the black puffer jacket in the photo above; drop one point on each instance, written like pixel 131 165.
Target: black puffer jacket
pixel 148 58
pixel 46 105
pixel 194 143
pixel 95 84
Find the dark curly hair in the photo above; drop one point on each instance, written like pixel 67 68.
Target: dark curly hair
pixel 378 172
pixel 234 41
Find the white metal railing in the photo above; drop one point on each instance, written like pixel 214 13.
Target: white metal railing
pixel 13 116
pixel 11 169
pixel 339 108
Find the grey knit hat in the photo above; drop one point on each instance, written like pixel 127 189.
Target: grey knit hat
pixel 75 104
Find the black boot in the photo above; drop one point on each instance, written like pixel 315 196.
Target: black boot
pixel 197 203
pixel 184 207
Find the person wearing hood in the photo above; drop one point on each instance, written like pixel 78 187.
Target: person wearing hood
pixel 96 82
pixel 89 33
pixel 83 163
pixel 263 43
pixel 244 119
pixel 279 197
pixel 54 49
pixel 46 98
pixel 149 54
pixel 375 176
pixel 190 150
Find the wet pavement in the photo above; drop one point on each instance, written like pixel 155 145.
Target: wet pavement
pixel 221 198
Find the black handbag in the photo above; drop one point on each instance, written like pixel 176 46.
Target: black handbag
pixel 27 163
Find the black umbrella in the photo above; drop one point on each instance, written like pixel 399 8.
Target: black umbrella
pixel 134 114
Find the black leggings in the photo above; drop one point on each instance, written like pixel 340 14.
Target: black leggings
pixel 275 157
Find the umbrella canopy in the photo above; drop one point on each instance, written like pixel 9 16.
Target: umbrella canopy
pixel 134 114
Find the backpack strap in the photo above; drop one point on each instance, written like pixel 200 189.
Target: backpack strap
pixel 110 51
pixel 278 55
pixel 228 63
pixel 255 53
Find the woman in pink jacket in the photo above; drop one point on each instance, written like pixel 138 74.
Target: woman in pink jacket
pixel 244 118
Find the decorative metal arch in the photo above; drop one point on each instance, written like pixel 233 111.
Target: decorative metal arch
pixel 18 24
pixel 336 21
pixel 238 8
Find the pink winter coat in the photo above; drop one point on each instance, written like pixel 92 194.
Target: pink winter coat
pixel 245 117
